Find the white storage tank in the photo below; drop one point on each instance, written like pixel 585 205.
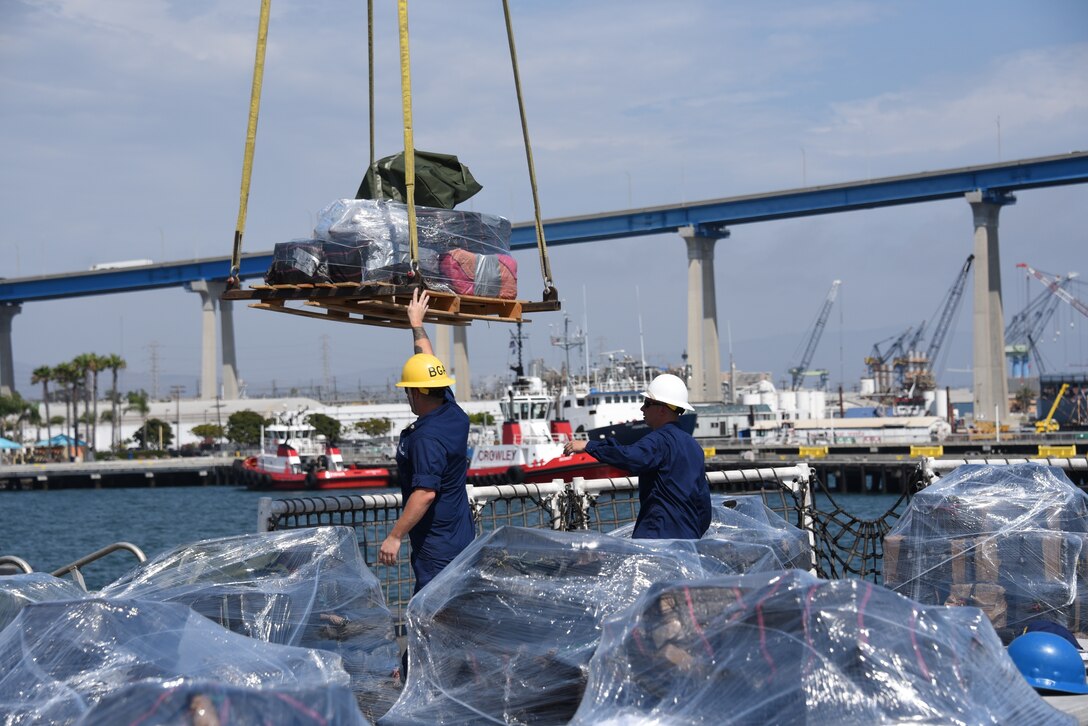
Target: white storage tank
pixel 818 404
pixel 804 404
pixel 868 387
pixel 750 399
pixel 930 397
pixel 770 398
pixel 941 403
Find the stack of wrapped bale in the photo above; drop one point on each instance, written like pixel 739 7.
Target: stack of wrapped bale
pixel 790 648
pixel 18 591
pixel 505 633
pixel 754 530
pixel 307 587
pixel 59 659
pixel 1008 539
pixel 366 240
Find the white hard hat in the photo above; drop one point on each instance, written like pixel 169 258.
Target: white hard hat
pixel 669 389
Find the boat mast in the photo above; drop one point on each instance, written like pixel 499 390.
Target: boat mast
pixel 517 338
pixel 641 341
pixel 566 342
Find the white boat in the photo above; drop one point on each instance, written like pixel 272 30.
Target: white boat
pixel 294 456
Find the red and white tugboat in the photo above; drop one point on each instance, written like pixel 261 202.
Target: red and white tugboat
pixel 532 444
pixel 293 456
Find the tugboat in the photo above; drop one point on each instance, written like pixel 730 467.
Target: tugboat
pixel 531 448
pixel 303 459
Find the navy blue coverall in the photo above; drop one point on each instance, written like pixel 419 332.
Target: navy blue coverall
pixel 432 455
pixel 673 494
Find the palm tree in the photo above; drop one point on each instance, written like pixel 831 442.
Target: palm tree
pixel 42 375
pixel 87 364
pixel 66 375
pixel 115 363
pixel 137 401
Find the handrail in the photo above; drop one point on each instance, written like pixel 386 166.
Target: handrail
pixel 73 567
pixel 17 561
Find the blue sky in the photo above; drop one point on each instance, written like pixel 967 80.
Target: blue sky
pixel 123 125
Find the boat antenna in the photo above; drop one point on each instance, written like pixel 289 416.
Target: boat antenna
pixel 515 343
pixel 641 341
pixel 585 327
pixel 568 341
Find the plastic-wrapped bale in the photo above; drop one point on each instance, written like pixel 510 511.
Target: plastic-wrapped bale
pixel 746 519
pixel 57 659
pixel 469 273
pixel 790 648
pixel 206 703
pixel 18 591
pixel 506 631
pixel 1007 539
pixel 367 240
pixel 306 587
pixel 297 262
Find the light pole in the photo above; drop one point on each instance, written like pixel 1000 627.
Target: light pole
pixel 176 391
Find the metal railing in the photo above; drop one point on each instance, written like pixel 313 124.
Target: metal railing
pixel 933 468
pixel 74 568
pixel 581 504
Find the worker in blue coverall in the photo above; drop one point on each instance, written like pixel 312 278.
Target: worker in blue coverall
pixel 431 463
pixel 673 495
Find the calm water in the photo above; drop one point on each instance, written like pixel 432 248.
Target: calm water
pixel 49 529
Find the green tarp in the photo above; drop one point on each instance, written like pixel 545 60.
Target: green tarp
pixel 441 180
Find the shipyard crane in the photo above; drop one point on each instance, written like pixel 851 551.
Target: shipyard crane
pixel 879 361
pixel 1026 327
pixel 799 371
pixel 951 305
pixel 1055 288
pixel 919 371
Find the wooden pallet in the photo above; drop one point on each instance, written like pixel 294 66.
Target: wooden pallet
pixel 384 305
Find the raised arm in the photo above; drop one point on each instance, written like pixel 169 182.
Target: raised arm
pixel 416 310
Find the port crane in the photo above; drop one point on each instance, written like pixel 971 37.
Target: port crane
pixel 1027 326
pixel 919 370
pixel 799 371
pixel 1052 284
pixel 879 362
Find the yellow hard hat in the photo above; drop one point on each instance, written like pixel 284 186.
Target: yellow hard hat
pixel 424 371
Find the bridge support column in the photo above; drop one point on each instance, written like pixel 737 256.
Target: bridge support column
pixel 463 386
pixel 441 344
pixel 7 357
pixel 704 353
pixel 991 386
pixel 226 339
pixel 209 292
pixel 457 363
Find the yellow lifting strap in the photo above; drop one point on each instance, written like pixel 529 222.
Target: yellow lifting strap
pixel 251 139
pixel 542 247
pixel 409 147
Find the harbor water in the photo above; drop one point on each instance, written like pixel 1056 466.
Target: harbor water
pixel 50 529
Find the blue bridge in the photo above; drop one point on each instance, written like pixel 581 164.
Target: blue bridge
pixel 985 188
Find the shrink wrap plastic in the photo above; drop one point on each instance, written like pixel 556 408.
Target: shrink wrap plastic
pixel 366 240
pixel 789 648
pixel 306 587
pixel 505 633
pixel 204 703
pixel 1008 539
pixel 746 520
pixel 18 591
pixel 57 659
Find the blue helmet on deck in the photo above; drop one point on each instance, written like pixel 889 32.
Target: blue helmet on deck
pixel 1049 662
